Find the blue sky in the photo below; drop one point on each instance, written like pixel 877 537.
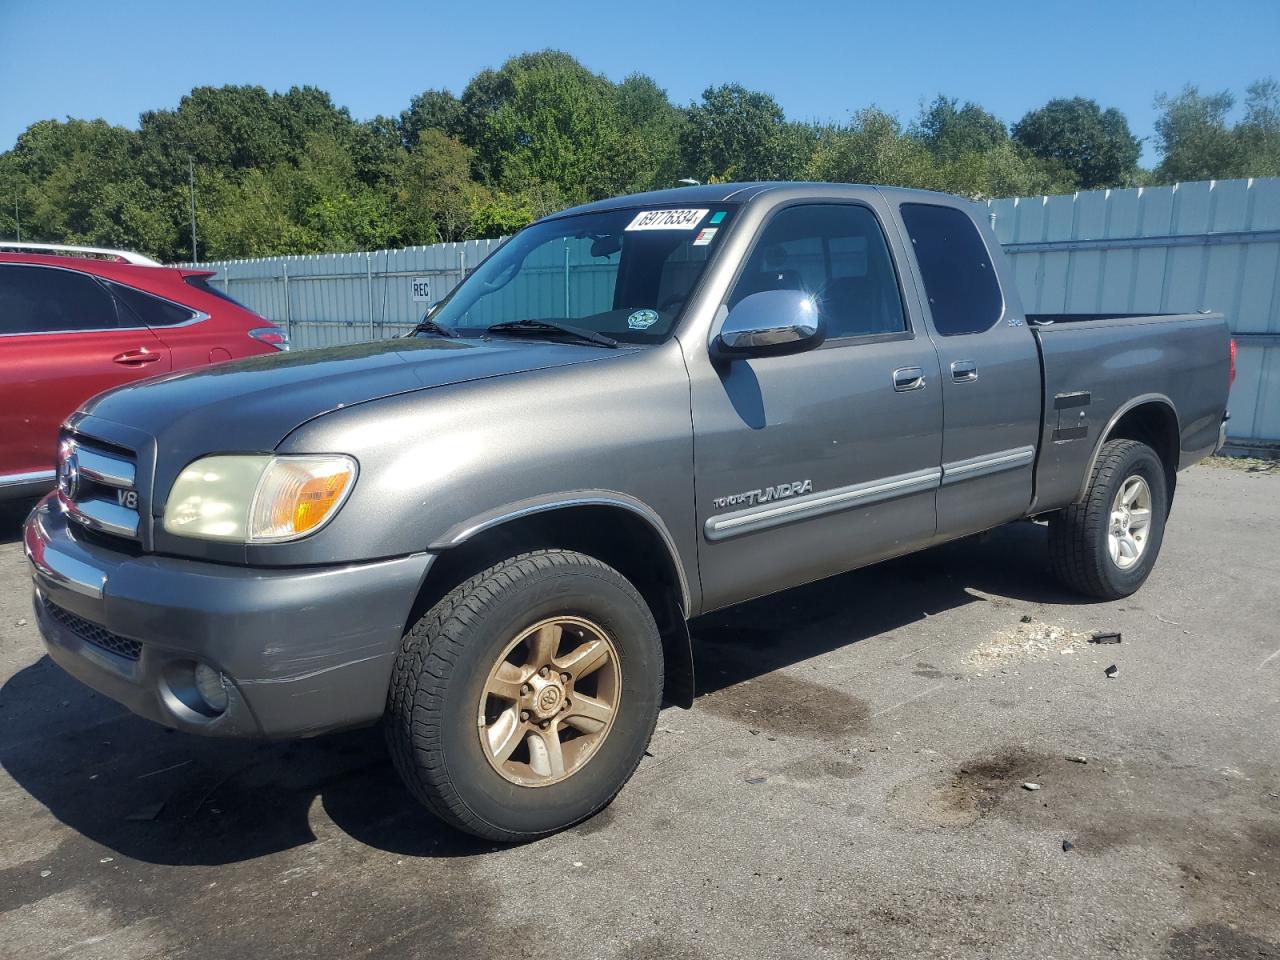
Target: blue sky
pixel 822 60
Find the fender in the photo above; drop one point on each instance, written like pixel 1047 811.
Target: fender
pixel 1115 418
pixel 464 531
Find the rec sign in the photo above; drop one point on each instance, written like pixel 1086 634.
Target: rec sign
pixel 421 289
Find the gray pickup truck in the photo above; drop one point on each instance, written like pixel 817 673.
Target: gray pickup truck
pixel 490 535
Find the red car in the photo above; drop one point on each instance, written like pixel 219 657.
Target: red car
pixel 71 326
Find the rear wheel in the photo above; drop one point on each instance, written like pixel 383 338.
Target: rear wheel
pixel 1106 545
pixel 523 701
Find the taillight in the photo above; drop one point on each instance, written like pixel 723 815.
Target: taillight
pixel 277 338
pixel 1231 370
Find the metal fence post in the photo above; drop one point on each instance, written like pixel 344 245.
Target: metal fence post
pixel 288 303
pixel 368 273
pixel 566 278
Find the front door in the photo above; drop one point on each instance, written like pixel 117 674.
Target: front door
pixel 60 343
pixel 814 463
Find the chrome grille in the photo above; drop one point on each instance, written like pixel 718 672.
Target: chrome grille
pixel 97 485
pixel 92 633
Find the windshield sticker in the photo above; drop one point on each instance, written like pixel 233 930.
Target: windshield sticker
pixel 667 219
pixel 704 237
pixel 642 319
pixel 716 217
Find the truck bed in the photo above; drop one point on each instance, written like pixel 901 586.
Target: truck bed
pixel 1098 366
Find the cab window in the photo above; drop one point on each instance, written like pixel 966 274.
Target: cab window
pixel 837 253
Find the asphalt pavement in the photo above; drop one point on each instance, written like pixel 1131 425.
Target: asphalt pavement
pixel 855 780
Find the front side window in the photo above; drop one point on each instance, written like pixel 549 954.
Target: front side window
pixel 49 300
pixel 624 273
pixel 959 279
pixel 835 252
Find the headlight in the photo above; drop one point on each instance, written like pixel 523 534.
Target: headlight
pixel 258 499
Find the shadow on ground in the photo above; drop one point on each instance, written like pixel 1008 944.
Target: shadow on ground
pixel 12 513
pixel 163 797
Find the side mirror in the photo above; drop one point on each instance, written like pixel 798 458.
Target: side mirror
pixel 769 323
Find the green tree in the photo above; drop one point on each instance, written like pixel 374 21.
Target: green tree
pixel 1193 138
pixel 1095 145
pixel 949 130
pixel 738 134
pixel 552 121
pixel 431 110
pixel 1259 132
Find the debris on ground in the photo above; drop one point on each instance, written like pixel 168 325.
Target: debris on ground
pixel 754 780
pixel 1103 636
pixel 1067 846
pixel 1026 641
pixel 1031 786
pixel 1078 759
pixel 1026 618
pixel 1111 671
pixel 46 873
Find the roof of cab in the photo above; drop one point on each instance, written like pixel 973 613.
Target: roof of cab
pixel 739 193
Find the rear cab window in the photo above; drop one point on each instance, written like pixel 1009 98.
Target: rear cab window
pixel 959 279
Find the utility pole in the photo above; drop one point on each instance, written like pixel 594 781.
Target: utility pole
pixel 16 221
pixel 191 175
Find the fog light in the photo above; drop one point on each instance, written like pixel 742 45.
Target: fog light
pixel 212 687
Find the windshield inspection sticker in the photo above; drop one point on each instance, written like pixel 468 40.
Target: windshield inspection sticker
pixel 667 219
pixel 642 319
pixel 704 237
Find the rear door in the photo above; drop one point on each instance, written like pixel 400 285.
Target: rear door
pixel 990 370
pixel 61 341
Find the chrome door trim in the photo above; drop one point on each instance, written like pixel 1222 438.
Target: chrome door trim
pixel 726 525
pixel 987 464
pixel 19 479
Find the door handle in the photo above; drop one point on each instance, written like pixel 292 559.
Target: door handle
pixel 908 378
pixel 962 371
pixel 135 358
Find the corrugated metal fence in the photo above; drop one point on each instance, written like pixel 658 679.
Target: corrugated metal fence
pixel 1194 246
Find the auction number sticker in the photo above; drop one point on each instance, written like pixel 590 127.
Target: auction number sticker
pixel 667 219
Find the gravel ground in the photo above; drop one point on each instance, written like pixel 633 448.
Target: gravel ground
pixel 848 784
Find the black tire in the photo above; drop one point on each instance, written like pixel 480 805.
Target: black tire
pixel 440 673
pixel 1078 548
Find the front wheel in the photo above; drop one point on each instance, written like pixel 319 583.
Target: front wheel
pixel 1106 545
pixel 522 702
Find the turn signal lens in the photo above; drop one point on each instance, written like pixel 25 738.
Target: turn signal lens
pixel 296 495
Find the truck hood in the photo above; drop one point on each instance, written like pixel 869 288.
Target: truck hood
pixel 251 405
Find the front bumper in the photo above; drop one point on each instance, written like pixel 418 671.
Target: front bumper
pixel 303 650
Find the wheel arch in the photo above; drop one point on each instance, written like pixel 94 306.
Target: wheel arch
pixel 614 528
pixel 1150 419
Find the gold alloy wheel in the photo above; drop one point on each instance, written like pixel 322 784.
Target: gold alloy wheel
pixel 549 701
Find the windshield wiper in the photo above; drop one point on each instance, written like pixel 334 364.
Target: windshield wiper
pixel 545 326
pixel 430 326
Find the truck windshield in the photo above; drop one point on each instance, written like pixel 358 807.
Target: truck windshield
pixel 624 273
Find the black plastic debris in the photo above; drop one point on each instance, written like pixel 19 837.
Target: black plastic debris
pixel 1027 618
pixel 1111 671
pixel 1105 637
pixel 1067 846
